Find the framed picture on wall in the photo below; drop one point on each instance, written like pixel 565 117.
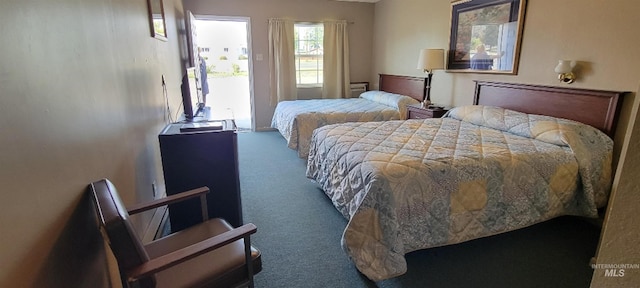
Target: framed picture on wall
pixel 157 20
pixel 485 36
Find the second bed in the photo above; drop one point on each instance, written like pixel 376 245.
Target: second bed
pixel 296 120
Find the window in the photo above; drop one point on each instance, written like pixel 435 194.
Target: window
pixel 309 50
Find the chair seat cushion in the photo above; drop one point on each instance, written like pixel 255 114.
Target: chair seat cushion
pixel 222 267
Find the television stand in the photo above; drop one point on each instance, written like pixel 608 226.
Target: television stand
pixel 192 159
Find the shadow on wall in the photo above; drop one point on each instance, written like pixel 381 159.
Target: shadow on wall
pixel 78 258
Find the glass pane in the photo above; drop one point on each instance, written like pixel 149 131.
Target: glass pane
pixel 308 77
pixel 308 49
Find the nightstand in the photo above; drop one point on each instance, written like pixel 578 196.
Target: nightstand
pixel 416 111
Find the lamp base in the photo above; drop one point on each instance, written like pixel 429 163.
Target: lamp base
pixel 427 92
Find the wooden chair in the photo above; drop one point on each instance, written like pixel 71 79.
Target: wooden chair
pixel 209 254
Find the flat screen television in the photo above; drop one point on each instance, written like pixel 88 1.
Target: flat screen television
pixel 192 103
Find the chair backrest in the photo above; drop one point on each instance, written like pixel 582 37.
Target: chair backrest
pixel 114 223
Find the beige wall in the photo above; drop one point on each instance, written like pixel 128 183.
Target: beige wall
pixel 621 236
pixel 602 35
pixel 259 11
pixel 596 33
pixel 80 99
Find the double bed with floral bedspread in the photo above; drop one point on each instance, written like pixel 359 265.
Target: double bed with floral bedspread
pixel 296 120
pixel 478 171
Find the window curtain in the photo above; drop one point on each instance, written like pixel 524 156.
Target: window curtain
pixel 282 61
pixel 336 81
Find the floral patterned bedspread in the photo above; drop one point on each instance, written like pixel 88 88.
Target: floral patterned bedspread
pixel 296 120
pixel 479 171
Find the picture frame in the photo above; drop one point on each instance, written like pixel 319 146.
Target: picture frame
pixel 157 21
pixel 485 36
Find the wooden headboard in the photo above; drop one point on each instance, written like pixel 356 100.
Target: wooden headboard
pixel 593 107
pixel 414 87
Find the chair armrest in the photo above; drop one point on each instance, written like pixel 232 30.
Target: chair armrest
pixel 141 207
pixel 176 257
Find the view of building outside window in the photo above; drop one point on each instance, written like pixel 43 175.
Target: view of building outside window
pixel 309 52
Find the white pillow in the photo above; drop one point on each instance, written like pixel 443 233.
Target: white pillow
pixel 397 101
pixel 544 128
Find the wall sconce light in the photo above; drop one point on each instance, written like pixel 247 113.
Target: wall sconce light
pixel 565 71
pixel 429 60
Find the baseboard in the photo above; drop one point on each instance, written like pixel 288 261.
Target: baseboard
pixel 155 225
pixel 165 226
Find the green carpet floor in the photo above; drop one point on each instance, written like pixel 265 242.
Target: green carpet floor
pixel 299 234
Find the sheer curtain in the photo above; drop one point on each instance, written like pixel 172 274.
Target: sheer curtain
pixel 282 61
pixel 336 81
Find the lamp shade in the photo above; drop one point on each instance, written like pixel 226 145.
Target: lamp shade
pixel 564 66
pixel 431 59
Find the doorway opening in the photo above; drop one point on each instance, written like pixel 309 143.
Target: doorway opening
pixel 224 44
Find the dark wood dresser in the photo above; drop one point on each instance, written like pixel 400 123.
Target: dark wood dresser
pixel 196 158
